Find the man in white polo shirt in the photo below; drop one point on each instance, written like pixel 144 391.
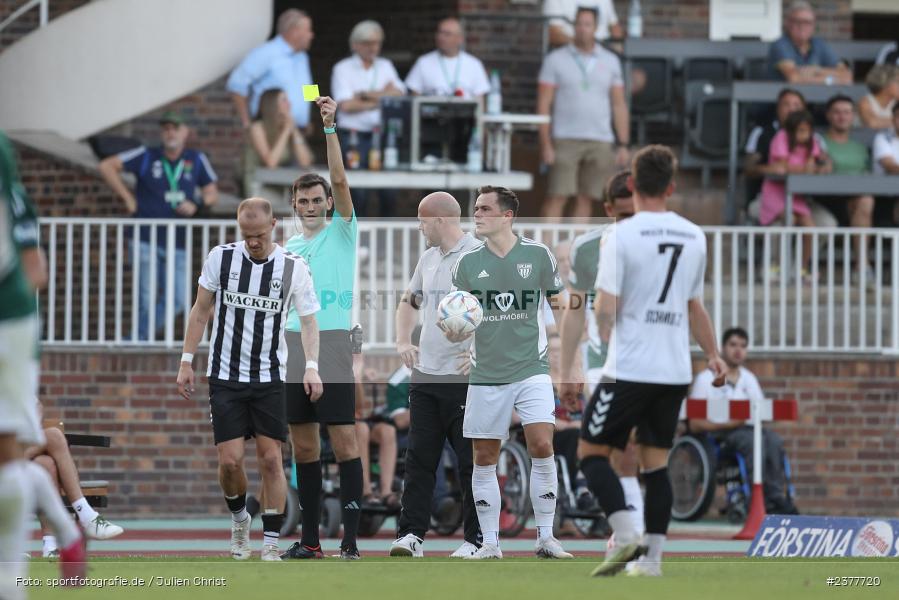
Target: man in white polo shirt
pixel 448 70
pixel 581 87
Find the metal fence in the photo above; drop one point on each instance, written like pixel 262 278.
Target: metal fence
pixel 754 279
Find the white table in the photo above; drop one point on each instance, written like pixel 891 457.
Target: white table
pixel 407 180
pixel 499 136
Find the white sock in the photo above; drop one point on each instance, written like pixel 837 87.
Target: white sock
pixel 48 502
pixel 16 497
pixel 84 511
pixel 487 500
pixel 655 541
pixel 633 497
pixel 49 544
pixel 623 526
pixel 544 486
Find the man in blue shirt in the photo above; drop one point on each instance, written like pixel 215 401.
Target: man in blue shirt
pixel 801 57
pixel 172 182
pixel 280 63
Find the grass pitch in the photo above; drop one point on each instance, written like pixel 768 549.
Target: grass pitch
pixel 439 578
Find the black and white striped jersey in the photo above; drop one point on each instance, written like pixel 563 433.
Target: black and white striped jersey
pixel 251 304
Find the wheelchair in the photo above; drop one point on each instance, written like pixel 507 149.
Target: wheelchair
pixel 513 472
pixel 697 463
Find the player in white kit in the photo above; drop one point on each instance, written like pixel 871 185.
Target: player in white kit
pixel 649 300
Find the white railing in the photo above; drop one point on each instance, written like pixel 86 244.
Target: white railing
pixel 43 13
pixel 91 298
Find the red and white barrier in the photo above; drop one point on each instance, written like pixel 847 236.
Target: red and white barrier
pixel 783 409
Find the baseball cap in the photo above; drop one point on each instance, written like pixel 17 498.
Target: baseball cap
pixel 171 116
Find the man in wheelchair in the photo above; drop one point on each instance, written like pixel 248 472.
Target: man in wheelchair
pixel 735 436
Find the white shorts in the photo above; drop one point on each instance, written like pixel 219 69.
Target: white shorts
pixel 18 380
pixel 488 409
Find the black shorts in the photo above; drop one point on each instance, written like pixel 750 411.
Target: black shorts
pixel 245 410
pixel 616 407
pixel 337 405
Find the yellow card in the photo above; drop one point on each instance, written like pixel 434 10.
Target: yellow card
pixel 310 93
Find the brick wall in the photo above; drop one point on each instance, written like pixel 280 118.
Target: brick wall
pixel 511 44
pixel 163 463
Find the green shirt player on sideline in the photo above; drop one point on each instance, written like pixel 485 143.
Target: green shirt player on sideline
pixel 511 276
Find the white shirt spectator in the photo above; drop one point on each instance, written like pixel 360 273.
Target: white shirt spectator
pixel 891 50
pixel 434 74
pixel 886 145
pixel 564 12
pixel 350 76
pixel 718 398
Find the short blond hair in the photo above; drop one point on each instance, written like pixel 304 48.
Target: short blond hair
pixel 881 76
pixel 289 18
pixel 255 204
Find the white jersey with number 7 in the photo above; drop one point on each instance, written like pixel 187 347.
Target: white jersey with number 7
pixel 654 263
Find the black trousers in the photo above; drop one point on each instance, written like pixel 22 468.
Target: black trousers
pixel 437 407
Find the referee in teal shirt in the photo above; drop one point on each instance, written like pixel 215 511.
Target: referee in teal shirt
pixel 330 249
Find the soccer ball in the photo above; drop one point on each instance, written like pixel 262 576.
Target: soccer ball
pixel 460 312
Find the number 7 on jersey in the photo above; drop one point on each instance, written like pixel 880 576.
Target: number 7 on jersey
pixel 677 249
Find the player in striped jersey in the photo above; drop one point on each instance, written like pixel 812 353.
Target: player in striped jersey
pixel 251 284
pixel 619 204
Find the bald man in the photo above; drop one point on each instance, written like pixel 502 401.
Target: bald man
pixel 448 70
pixel 252 284
pixel 439 382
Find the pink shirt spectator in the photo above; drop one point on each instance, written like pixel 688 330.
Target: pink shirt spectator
pixel 774 192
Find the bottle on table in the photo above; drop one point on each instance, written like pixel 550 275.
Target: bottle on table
pixel 353 158
pixel 374 153
pixel 495 95
pixel 475 157
pixel 391 152
pixel 635 20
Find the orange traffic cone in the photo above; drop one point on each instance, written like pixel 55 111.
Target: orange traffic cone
pixel 756 514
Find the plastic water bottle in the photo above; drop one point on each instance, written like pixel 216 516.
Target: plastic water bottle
pixel 635 20
pixel 475 157
pixel 495 95
pixel 391 153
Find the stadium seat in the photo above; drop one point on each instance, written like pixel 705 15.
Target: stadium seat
pixel 712 69
pixel 706 137
pixel 755 69
pixel 653 103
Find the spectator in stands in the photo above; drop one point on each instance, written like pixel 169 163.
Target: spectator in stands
pixel 889 54
pixel 280 63
pixel 876 108
pixel 56 459
pixel 886 154
pixel 581 86
pixel 849 157
pixel 735 434
pixel 173 182
pixel 373 425
pixel 358 83
pixel 801 57
pixel 562 14
pixel 794 149
pixel 448 70
pixel 274 141
pixel 756 165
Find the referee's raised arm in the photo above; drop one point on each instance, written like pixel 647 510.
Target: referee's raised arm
pixel 340 188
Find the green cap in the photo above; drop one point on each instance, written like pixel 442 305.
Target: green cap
pixel 171 116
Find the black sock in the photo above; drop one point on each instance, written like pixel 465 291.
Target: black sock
pixel 309 482
pixel 350 497
pixel 271 527
pixel 659 498
pixel 604 483
pixel 238 503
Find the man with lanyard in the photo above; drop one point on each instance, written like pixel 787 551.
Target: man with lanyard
pixel 330 249
pixel 439 385
pixel 173 182
pixel 448 70
pixel 581 86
